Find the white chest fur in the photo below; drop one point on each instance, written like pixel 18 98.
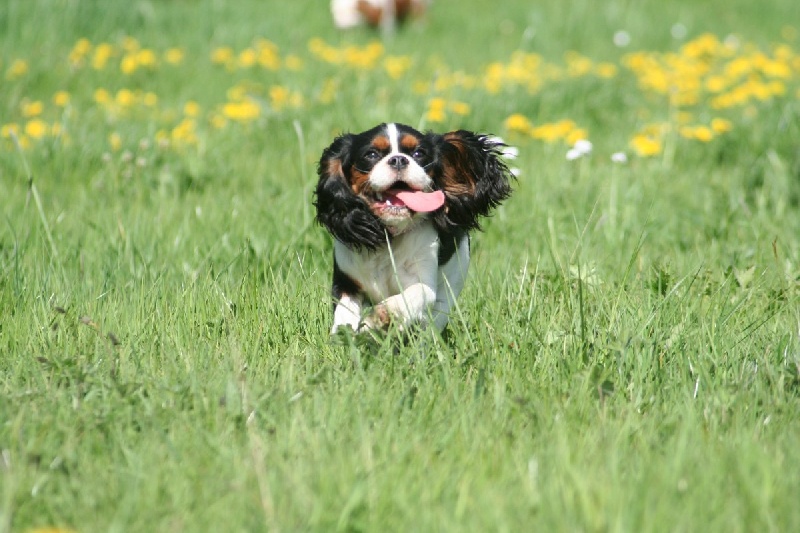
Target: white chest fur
pixel 405 278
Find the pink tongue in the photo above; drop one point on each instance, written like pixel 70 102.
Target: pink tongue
pixel 422 202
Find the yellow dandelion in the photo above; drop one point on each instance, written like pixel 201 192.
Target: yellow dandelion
pixel 61 98
pixel 125 98
pixel 279 97
pixel 421 87
pixel 716 84
pixel 435 115
pixel 36 128
pixel 294 62
pixel 218 121
pixel 128 64
pixel 130 44
pixel 330 88
pixel 396 66
pixel 102 96
pixel 146 58
pixel 17 69
pixel 115 141
pixel 645 145
pixel 553 131
pixel 606 70
pixel 243 111
pixel 247 58
pixel 436 110
pixel 191 109
pixel 703 133
pixel 150 99
pixel 437 103
pixel 519 123
pixel 236 93
pixel 268 57
pixel 721 125
pixel 102 53
pixel 32 109
pixel 174 56
pixel 460 108
pixel 577 134
pixel 184 132
pixel 222 55
pixel 79 51
pixel 296 100
pixel 7 130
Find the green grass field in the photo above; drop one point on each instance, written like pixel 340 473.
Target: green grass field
pixel 625 356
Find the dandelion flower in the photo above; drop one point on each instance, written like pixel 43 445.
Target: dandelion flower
pixel 518 123
pixel 646 146
pixel 460 108
pixel 102 96
pixel 191 109
pixel 36 128
pixel 32 109
pixel 221 56
pixel 61 98
pixel 174 56
pixel 115 141
pixel 721 125
pixel 17 69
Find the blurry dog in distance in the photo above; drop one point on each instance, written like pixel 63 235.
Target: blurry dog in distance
pixel 383 14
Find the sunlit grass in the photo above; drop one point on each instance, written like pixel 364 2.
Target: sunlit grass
pixel 625 355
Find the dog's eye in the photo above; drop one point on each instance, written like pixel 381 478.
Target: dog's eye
pixel 371 155
pixel 420 153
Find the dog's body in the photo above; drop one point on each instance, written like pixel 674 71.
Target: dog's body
pixel 375 13
pixel 400 205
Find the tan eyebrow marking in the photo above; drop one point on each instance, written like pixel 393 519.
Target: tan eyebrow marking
pixel 409 142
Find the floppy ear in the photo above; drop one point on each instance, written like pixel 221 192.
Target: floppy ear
pixel 344 214
pixel 473 177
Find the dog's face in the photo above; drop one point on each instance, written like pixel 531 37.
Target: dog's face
pixel 380 182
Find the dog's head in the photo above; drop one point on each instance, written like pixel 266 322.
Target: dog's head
pixel 384 180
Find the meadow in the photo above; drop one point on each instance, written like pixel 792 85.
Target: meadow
pixel 625 355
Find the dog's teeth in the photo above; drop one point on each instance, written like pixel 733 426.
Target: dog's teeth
pixel 388 202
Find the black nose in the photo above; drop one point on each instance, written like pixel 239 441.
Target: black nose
pixel 398 162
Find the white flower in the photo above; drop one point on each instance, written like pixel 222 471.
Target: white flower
pixel 581 148
pixel 584 146
pixel 622 38
pixel 619 157
pixel 678 31
pixel 510 152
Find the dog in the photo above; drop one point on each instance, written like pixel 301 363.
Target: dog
pixel 400 205
pixel 384 14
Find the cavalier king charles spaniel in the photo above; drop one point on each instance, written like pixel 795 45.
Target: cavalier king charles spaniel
pixel 375 13
pixel 400 205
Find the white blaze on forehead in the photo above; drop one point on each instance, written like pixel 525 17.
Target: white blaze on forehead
pixel 394 137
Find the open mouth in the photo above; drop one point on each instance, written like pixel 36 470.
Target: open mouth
pixel 400 195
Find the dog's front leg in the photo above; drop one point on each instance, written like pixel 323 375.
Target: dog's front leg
pixel 347 313
pixel 411 305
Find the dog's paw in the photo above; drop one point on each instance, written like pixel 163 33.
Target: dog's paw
pixel 378 319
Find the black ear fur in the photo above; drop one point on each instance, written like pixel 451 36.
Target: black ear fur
pixel 344 214
pixel 474 178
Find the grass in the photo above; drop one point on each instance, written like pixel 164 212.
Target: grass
pixel 624 357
